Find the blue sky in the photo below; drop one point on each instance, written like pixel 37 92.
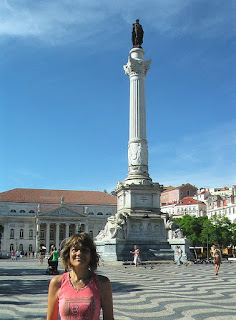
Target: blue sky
pixel 64 97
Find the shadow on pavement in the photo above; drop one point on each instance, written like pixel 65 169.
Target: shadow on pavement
pixel 21 272
pixel 118 287
pixel 18 287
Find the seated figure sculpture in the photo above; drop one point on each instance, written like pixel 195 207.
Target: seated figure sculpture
pixel 114 228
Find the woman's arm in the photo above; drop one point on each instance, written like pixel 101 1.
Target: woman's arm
pixel 53 295
pixel 106 294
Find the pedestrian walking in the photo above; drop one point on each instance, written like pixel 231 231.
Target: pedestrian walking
pixel 13 254
pixel 216 258
pixel 136 254
pixel 41 255
pixel 80 293
pixel 179 253
pixel 17 255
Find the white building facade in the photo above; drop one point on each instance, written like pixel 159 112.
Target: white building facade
pixel 222 205
pixel 33 217
pixel 187 205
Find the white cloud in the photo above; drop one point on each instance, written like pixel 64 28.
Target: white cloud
pixel 54 21
pixel 203 159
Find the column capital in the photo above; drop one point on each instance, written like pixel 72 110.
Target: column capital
pixel 137 67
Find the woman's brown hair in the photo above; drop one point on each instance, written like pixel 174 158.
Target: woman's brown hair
pixel 86 241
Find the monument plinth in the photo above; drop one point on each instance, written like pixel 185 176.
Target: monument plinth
pixel 139 219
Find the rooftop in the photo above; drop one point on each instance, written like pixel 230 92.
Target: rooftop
pixel 54 196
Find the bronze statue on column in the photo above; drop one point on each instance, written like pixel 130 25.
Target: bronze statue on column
pixel 137 34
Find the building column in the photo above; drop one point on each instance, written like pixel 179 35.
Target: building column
pixel 48 236
pixel 67 230
pixel 57 235
pixel 37 236
pixel 5 244
pixel 86 228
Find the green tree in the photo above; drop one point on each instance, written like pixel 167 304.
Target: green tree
pixel 192 228
pixel 207 235
pixel 233 230
pixel 202 231
pixel 222 230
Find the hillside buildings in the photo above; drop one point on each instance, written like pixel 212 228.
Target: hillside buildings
pixel 187 199
pixel 174 194
pixel 178 201
pixel 222 202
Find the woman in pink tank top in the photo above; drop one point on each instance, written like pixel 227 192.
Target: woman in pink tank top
pixel 80 294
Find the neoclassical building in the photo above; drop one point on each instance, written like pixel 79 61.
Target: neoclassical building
pixel 33 217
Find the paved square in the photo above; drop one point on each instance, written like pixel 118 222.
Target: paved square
pixel 162 291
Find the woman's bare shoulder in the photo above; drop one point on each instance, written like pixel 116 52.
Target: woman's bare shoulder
pixel 103 282
pixel 103 279
pixel 56 281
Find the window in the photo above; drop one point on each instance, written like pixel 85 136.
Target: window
pixel 31 211
pixel 30 248
pixel 91 214
pixel 91 234
pixel 11 246
pixel 12 234
pixel 30 234
pixel 13 210
pixel 188 193
pixel 21 247
pixel 61 234
pixel 100 214
pixel 21 233
pixel 42 234
pixel 51 234
pixel 70 233
pixel 22 211
pixel 108 214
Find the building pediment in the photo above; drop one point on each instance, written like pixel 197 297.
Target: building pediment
pixel 61 212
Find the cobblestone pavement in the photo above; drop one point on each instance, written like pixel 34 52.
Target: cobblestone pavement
pixel 158 291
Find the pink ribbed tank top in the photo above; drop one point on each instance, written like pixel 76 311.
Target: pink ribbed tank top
pixel 79 304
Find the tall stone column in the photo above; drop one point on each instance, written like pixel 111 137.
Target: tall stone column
pixel 37 235
pixel 138 219
pixel 48 236
pixel 136 69
pixel 5 243
pixel 67 230
pixel 57 235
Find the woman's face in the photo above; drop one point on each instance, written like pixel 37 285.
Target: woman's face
pixel 80 255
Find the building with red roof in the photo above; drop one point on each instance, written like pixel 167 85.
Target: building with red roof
pixel 33 217
pixel 174 194
pixel 187 205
